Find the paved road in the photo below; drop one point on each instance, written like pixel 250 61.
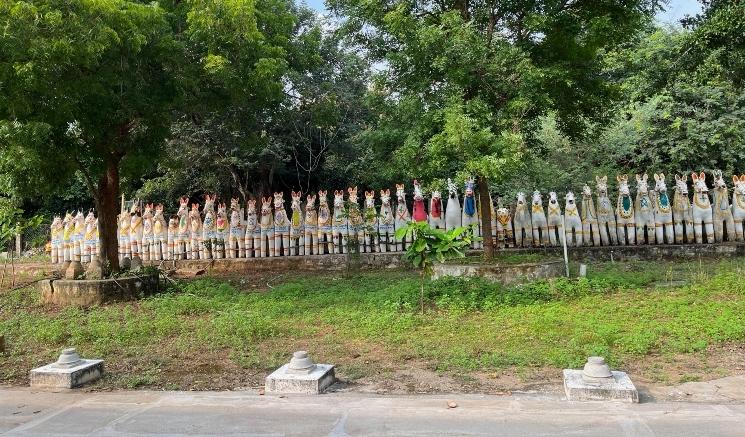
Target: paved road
pixel 143 413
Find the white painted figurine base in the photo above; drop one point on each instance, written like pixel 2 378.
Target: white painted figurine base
pixel 55 377
pixel 314 382
pixel 617 388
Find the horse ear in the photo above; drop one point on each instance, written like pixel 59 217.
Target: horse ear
pixel 702 176
pixel 694 176
pixel 638 178
pixel 662 176
pixel 656 178
pixel 645 177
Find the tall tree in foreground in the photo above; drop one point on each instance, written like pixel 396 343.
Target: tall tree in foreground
pixel 463 82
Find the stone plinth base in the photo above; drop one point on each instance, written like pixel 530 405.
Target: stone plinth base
pixel 617 388
pixel 89 292
pixel 314 382
pixel 50 376
pixel 503 273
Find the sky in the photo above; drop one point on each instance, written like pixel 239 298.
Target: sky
pixel 675 10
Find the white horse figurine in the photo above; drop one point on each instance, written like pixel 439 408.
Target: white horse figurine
pixel 386 223
pixel 252 240
pixel 281 226
pixel 572 221
pixel 453 212
pixel 340 223
pixel 57 230
pixel 159 249
pixel 182 239
pixel 589 215
pixel 356 222
pixel 644 206
pixel 663 212
pixel 266 223
pixel 236 247
pixel 222 236
pixel 195 233
pixel 402 217
pixel 135 230
pixel 172 236
pixel 554 220
pixel 738 205
pixel 370 215
pixel 147 232
pixel 722 210
pixel 522 222
pixel 209 228
pixel 311 226
pixel 436 216
pixel 538 218
pixel 682 216
pixel 470 214
pixel 505 234
pixel 703 220
pixel 90 238
pixel 68 224
pixel 123 231
pixel 418 214
pixel 625 220
pixel 78 236
pixel 606 218
pixel 325 224
pixel 297 228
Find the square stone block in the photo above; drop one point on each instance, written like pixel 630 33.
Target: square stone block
pixel 617 388
pixel 53 377
pixel 314 382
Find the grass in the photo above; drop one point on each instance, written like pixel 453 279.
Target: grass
pixel 210 333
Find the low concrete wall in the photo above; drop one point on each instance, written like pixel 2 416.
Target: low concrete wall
pixel 504 273
pixel 87 292
pixel 642 253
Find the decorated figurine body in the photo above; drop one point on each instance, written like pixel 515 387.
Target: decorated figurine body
pixel 470 214
pixel 453 213
pixel 78 236
pixel 266 224
pixel 281 226
pixel 147 233
pixel 738 205
pixel 722 210
pixel 57 230
pixel 340 223
pixel 436 212
pixel 123 231
pixel 606 217
pixel 236 247
pixel 356 222
pixel 171 236
pixel 222 234
pixel 402 217
pixel 522 222
pixel 253 231
pixel 572 221
pixel 297 228
pixel 325 225
pixel 418 214
pixel 310 227
pixel 68 227
pixel 209 237
pixel 703 221
pixel 387 223
pixel 644 206
pixel 538 218
pixel 196 233
pixel 505 234
pixel 159 249
pixel 90 238
pixel 135 230
pixel 625 220
pixel 370 215
pixel 182 239
pixel 590 229
pixel 555 227
pixel 663 211
pixel 682 218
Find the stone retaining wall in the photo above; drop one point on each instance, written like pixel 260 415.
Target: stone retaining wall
pixel 504 273
pixel 85 292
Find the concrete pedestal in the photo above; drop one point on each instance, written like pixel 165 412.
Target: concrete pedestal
pixel 618 387
pixel 314 382
pixel 52 377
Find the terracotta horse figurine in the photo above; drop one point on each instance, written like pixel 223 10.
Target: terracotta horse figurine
pixel 436 216
pixel 281 226
pixel 386 223
pixel 682 217
pixel 402 217
pixel 703 220
pixel 625 220
pixel 419 214
pixel 297 228
pixel 147 232
pixel 606 217
pixel 522 222
pixel 722 210
pixel 325 225
pixel 573 221
pixel 738 205
pixel 57 230
pixel 196 233
pixel 453 215
pixel 470 214
pixel 590 228
pixel 159 250
pixel 311 226
pixel 222 236
pixel 123 230
pixel 68 226
pixel 663 212
pixel 340 223
pixel 209 228
pixel 505 234
pixel 538 218
pixel 172 237
pixel 356 222
pixel 266 223
pixel 370 215
pixel 645 220
pixel 90 238
pixel 252 240
pixel 136 229
pixel 554 220
pixel 236 247
pixel 182 240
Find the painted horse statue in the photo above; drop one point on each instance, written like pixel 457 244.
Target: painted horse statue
pixel 470 214
pixel 222 226
pixel 538 218
pixel 236 247
pixel 182 241
pixel 339 223
pixel 325 224
pixel 436 213
pixel 147 232
pixel 453 214
pixel 123 231
pixel 135 230
pixel 738 205
pixel 209 228
pixel 172 237
pixel 266 224
pixel 311 226
pixel 682 217
pixel 646 232
pixel 402 217
pixel 703 220
pixel 386 223
pixel 554 220
pixel 281 226
pixel 370 215
pixel 606 218
pixel 57 230
pixel 68 228
pixel 663 212
pixel 419 214
pixel 159 250
pixel 356 222
pixel 196 233
pixel 589 215
pixel 722 210
pixel 625 220
pixel 572 221
pixel 252 241
pixel 505 234
pixel 78 236
pixel 522 224
pixel 90 238
pixel 297 228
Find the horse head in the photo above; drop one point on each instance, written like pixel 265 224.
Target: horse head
pixel 586 191
pixel 222 210
pixel 266 205
pixel 159 210
pixel 183 206
pixel 642 187
pixel 452 189
pixel 57 222
pixel 739 184
pixel 602 185
pixel 251 207
pixel 90 218
pixel 520 198
pixel 699 182
pixel 352 194
pixel 148 213
pixel 537 198
pixel 209 202
pixel 338 198
pixel 418 191
pixel 385 197
pixel 623 184
pixel 279 200
pixel 719 179
pixel 310 202
pixel 553 198
pixel 659 183
pixel 570 200
pixel 322 199
pixel 503 215
pixel 135 209
pixel 470 183
pixel 194 211
pixel 369 199
pixel 681 184
pixel 400 193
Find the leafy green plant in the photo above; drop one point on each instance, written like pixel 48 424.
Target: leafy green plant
pixel 430 245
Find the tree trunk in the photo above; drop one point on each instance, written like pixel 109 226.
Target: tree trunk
pixel 486 217
pixel 107 204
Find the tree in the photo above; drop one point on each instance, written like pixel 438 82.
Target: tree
pixel 464 82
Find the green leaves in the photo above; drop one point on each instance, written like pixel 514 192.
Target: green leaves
pixel 430 244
